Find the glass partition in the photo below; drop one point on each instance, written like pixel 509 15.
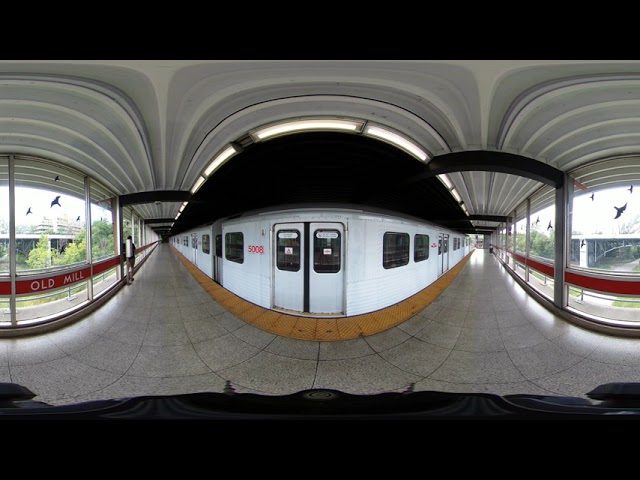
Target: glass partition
pixel 542 220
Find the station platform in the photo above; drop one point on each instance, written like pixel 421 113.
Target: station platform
pixel 171 333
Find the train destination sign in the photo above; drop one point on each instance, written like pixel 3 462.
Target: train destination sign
pixel 326 234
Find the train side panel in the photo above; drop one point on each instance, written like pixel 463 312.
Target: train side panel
pixel 371 286
pixel 250 279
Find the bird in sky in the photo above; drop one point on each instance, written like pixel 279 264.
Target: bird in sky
pixel 538 221
pixel 592 196
pixel 582 243
pixel 29 211
pixel 56 201
pixel 620 210
pixel 630 189
pixel 57 178
pixel 78 219
pixel 549 227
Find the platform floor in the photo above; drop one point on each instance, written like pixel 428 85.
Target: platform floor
pixel 165 334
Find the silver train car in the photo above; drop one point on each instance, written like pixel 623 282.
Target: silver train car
pixel 325 261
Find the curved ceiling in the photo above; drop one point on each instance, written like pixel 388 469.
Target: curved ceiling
pixel 152 127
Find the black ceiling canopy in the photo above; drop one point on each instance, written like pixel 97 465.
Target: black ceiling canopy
pixel 320 168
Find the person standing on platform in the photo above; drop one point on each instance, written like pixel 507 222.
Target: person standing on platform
pixel 130 254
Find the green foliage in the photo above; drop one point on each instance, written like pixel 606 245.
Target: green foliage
pixel 521 240
pixel 75 252
pixel 102 239
pixel 542 245
pixel 42 256
pixel 625 304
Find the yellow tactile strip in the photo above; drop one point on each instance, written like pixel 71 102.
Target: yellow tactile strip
pixel 320 329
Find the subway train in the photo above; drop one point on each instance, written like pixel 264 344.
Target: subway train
pixel 324 261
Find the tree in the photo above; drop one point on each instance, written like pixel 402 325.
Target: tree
pixel 632 226
pixel 542 245
pixel 102 239
pixel 42 256
pixel 76 251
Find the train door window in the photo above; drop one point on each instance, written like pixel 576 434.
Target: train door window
pixel 395 249
pixel 234 247
pixel 288 256
pixel 218 245
pixel 206 243
pixel 420 247
pixel 326 251
pixel 185 241
pixel 445 245
pixel 439 246
pixel 194 241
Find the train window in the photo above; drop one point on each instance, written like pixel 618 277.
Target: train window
pixel 206 243
pixel 439 246
pixel 234 247
pixel 420 247
pixel 395 249
pixel 288 249
pixel 194 241
pixel 445 245
pixel 218 245
pixel 326 251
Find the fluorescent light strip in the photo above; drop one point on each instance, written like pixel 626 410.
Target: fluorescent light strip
pixel 290 127
pixel 444 179
pixel 455 194
pixel 181 208
pixel 196 185
pixel 177 215
pixel 396 140
pixel 220 159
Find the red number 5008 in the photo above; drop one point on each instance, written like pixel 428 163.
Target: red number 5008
pixel 256 249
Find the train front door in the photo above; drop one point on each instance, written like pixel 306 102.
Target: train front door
pixel 194 248
pixel 309 267
pixel 217 260
pixel 443 253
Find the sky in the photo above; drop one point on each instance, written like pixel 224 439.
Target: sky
pixel 40 203
pixel 597 215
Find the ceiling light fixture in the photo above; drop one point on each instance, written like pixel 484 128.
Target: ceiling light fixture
pixel 196 185
pixel 444 179
pixel 225 155
pixel 397 140
pixel 306 125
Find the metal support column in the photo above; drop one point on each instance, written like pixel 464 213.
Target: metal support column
pixel 12 239
pixel 560 247
pixel 527 242
pixel 87 224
